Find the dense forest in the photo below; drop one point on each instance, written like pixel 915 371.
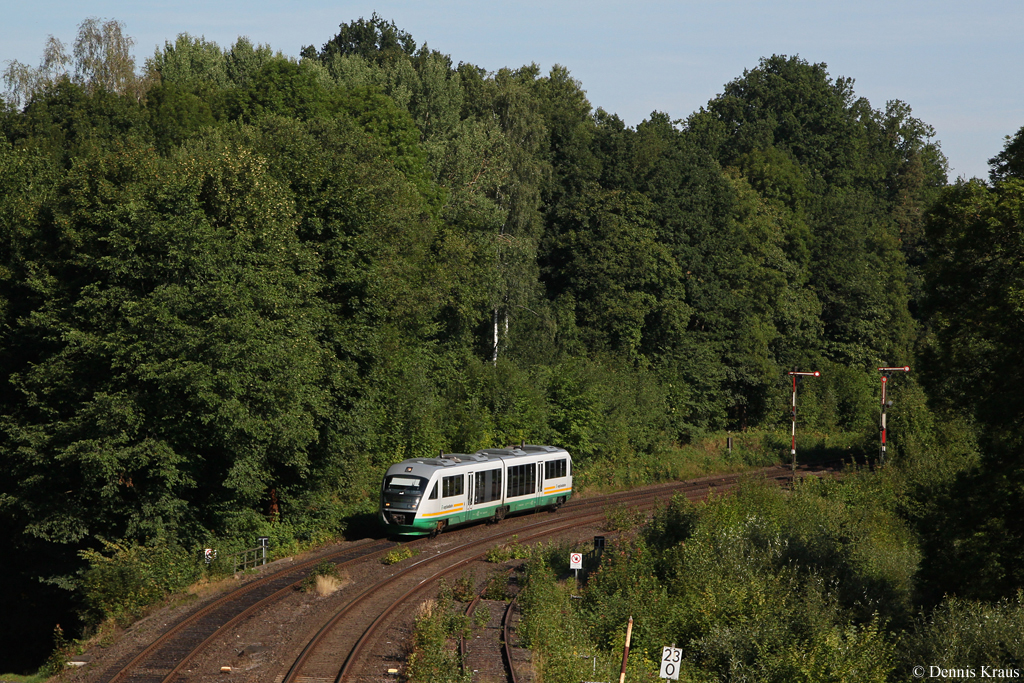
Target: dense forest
pixel 236 285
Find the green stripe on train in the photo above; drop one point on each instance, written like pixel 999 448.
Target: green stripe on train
pixel 424 525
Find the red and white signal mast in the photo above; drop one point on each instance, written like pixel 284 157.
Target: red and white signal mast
pixel 886 374
pixel 795 375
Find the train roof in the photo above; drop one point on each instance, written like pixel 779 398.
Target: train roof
pixel 423 466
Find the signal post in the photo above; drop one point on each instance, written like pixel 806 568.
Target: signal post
pixel 886 374
pixel 792 449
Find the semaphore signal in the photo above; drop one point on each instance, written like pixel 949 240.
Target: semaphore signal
pixel 794 374
pixel 886 373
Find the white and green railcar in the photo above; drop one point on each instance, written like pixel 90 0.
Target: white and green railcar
pixel 422 496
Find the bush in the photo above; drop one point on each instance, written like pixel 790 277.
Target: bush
pixel 397 555
pixel 497 586
pixel 967 634
pixel 513 550
pixel 324 570
pixel 57 663
pixel 463 590
pixel 120 584
pixel 623 518
pixel 434 659
pixel 763 585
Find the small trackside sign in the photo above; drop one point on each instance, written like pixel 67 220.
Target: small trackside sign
pixel 670 659
pixel 575 560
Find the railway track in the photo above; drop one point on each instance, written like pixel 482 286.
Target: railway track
pixel 336 641
pixel 166 659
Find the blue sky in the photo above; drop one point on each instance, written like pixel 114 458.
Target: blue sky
pixel 959 65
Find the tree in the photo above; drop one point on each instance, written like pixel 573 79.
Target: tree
pixel 191 63
pixel 853 176
pixel 975 307
pixel 173 370
pixel 625 285
pixel 1009 163
pixel 23 82
pixel 374 39
pixel 103 58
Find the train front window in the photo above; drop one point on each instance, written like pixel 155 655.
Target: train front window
pixel 403 492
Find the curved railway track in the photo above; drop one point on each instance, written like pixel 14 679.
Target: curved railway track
pixel 336 641
pixel 175 647
pixel 165 659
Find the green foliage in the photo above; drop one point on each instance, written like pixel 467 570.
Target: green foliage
pixel 398 554
pixel 830 165
pixel 188 292
pixel 122 580
pixel 975 281
pixel 974 367
pixel 190 63
pixel 550 627
pixel 175 115
pixel 463 589
pixel 761 585
pixel 513 550
pixel 623 518
pixel 371 39
pixel 434 658
pixel 1009 163
pixel 482 615
pixel 324 569
pixel 497 586
pixel 57 663
pixel 961 634
pixel 673 525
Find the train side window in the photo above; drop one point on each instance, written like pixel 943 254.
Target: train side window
pixel 479 489
pixel 522 480
pixel 451 486
pixel 496 485
pixel 488 486
pixel 433 492
pixel 553 469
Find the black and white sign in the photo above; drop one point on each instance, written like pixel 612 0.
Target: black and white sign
pixel 575 560
pixel 670 659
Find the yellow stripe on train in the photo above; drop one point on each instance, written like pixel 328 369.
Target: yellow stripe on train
pixel 457 508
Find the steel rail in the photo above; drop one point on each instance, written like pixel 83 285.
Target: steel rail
pixel 235 596
pixel 506 648
pixel 178 630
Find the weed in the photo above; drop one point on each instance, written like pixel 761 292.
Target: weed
pixel 623 518
pixel 57 663
pixel 482 616
pixel 398 554
pixel 325 585
pixel 324 570
pixel 434 659
pixel 463 588
pixel 513 550
pixel 497 586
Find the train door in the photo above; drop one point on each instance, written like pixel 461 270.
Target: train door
pixel 470 483
pixel 540 480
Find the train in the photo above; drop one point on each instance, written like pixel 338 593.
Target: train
pixel 424 496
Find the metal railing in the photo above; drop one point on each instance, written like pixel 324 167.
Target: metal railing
pixel 251 558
